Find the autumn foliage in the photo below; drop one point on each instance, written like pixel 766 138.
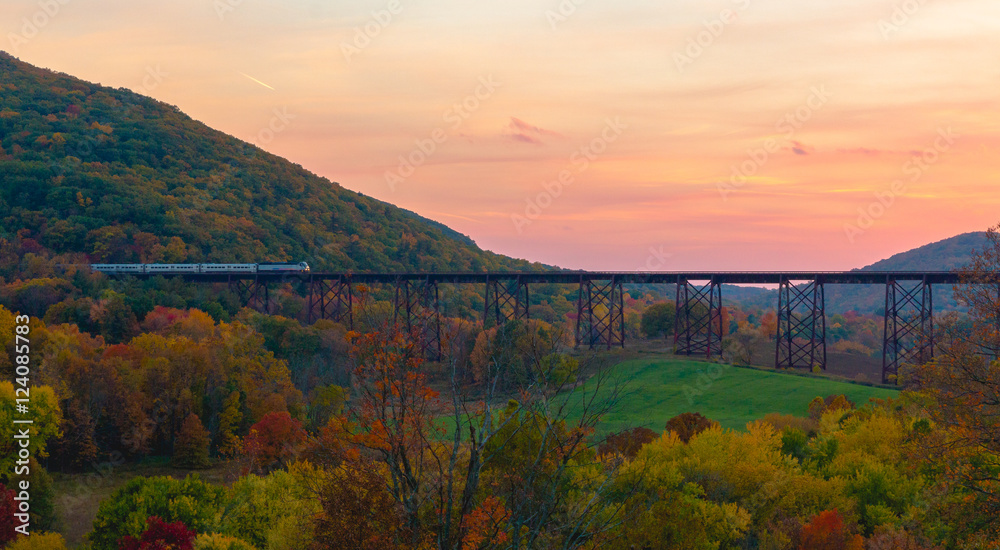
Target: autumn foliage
pixel 485 525
pixel 7 510
pixel 688 425
pixel 160 535
pixel 273 441
pixel 400 452
pixel 626 443
pixel 191 445
pixel 358 510
pixel 826 531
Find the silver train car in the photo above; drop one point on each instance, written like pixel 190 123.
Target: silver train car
pixel 173 269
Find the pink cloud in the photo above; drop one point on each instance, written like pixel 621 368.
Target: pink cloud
pixel 524 138
pixel 521 131
pixel 800 148
pixel 518 124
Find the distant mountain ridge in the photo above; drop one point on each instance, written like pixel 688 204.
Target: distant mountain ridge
pixel 91 173
pixel 944 255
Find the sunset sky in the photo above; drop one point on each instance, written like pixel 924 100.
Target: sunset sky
pixel 714 134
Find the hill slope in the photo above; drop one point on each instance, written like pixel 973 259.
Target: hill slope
pixel 660 388
pixel 112 176
pixel 944 255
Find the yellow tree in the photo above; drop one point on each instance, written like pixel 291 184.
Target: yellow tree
pixel 962 391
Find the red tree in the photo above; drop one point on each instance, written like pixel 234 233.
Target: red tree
pixel 160 536
pixel 826 531
pixel 688 425
pixel 273 441
pixel 7 510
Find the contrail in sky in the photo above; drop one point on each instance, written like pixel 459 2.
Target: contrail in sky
pixel 258 82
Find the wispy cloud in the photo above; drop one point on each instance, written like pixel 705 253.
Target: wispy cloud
pixel 689 129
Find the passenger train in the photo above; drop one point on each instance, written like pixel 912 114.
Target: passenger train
pixel 285 267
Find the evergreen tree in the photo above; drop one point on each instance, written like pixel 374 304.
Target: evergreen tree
pixel 191 445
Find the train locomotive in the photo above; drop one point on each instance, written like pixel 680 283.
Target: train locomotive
pixel 222 269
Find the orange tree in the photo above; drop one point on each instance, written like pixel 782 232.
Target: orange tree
pixel 960 389
pixel 462 471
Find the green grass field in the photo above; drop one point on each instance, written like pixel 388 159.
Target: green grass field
pixel 660 388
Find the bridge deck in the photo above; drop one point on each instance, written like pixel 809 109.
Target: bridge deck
pixel 571 277
pixel 908 334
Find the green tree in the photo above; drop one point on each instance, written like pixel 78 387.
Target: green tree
pixel 190 501
pixel 39 541
pixel 273 511
pixel 658 320
pixel 46 416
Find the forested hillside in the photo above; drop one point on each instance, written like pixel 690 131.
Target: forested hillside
pixel 944 255
pixel 113 176
pixel 317 435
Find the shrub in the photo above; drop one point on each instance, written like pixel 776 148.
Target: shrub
pixel 688 425
pixel 160 535
pixel 782 421
pixel 39 541
pixel 626 443
pixel 190 501
pixel 216 541
pixel 820 405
